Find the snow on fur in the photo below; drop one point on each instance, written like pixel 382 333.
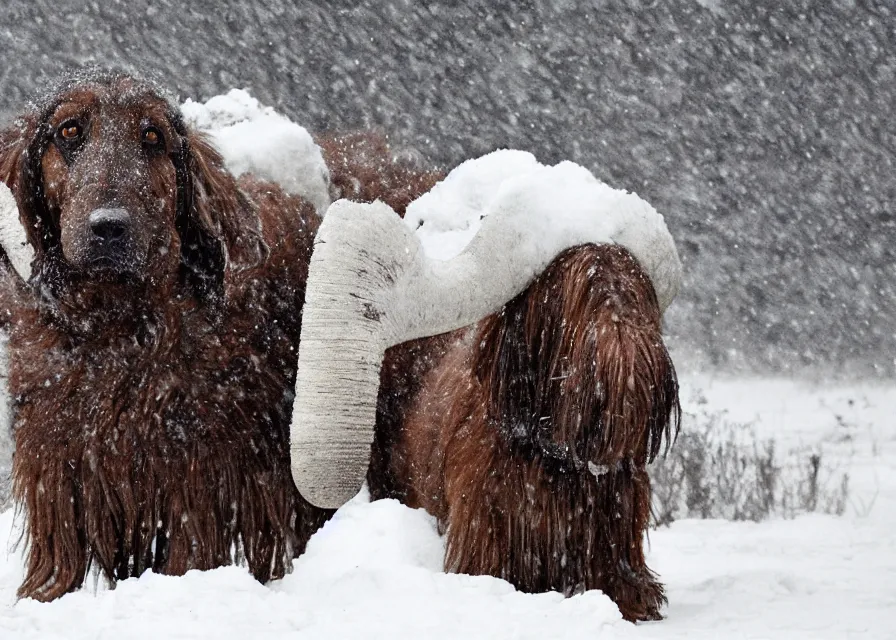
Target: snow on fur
pixel 523 214
pixel 549 203
pixel 258 140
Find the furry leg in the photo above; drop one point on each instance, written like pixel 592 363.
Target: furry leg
pixel 54 533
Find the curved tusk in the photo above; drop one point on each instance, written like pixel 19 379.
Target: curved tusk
pixel 370 287
pixel 360 250
pixel 12 235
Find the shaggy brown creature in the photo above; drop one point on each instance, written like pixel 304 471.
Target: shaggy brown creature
pixel 153 350
pixel 153 356
pixel 528 436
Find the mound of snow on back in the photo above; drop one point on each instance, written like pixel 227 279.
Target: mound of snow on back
pixel 448 217
pixel 549 203
pixel 258 140
pixel 526 213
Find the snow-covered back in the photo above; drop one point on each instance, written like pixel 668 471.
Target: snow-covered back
pixel 448 216
pixel 523 215
pixel 256 139
pixel 525 208
pixel 548 203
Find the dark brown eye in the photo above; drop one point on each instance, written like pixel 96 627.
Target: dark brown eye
pixel 70 131
pixel 152 137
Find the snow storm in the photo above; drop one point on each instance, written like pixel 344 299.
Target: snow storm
pixel 739 160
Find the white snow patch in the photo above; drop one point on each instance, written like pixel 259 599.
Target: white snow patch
pixel 374 571
pixel 447 217
pixel 528 212
pixel 258 140
pixel 597 470
pixel 12 235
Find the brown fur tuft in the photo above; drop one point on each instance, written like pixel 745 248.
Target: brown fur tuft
pixel 575 369
pixel 363 168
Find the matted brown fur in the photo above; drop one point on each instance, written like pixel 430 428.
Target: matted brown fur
pixel 363 168
pixel 152 398
pixel 529 439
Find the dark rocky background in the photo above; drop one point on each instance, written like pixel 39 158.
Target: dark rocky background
pixel 763 129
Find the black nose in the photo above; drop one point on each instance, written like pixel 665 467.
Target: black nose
pixel 110 226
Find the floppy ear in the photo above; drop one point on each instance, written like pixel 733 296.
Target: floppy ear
pixel 213 222
pixel 13 142
pixel 21 148
pixel 203 256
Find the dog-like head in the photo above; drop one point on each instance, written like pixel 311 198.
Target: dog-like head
pixel 113 187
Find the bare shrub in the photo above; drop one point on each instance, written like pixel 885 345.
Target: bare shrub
pixel 722 469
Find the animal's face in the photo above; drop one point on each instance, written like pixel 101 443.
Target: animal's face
pixel 112 187
pixel 110 180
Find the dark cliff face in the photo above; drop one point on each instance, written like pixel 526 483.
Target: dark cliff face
pixel 764 131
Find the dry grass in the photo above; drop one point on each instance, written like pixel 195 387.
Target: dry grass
pixel 721 469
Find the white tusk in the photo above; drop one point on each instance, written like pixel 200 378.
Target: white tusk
pixel 12 235
pixel 370 287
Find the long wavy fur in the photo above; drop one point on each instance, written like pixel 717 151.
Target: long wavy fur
pixel 530 438
pixel 152 431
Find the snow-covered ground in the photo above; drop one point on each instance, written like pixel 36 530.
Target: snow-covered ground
pixel 375 570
